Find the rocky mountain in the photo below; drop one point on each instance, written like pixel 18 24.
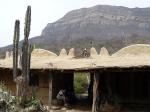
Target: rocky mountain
pixel 101 25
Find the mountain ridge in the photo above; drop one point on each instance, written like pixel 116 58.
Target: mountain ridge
pixel 111 26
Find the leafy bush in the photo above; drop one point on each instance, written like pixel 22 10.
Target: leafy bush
pixel 80 82
pixel 7 101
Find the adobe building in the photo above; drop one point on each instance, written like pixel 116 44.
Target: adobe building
pixel 122 78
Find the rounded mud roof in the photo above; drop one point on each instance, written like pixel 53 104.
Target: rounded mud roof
pixel 136 49
pixel 42 53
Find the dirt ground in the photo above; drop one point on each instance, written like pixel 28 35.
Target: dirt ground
pixel 82 105
pixel 72 109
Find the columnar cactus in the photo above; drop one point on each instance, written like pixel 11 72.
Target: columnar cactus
pixel 15 48
pixel 25 47
pixel 25 55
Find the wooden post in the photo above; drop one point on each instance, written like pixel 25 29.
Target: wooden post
pixel 90 89
pixel 148 86
pixel 96 93
pixel 50 90
pixel 132 85
pixel 108 84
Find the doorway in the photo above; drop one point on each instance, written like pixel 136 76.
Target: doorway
pixel 83 88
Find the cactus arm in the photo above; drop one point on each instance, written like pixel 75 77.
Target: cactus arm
pixel 27 23
pixel 25 47
pixel 15 48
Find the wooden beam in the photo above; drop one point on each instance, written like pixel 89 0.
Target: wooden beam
pixel 96 93
pixel 50 90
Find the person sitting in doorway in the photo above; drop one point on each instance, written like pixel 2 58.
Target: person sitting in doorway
pixel 62 96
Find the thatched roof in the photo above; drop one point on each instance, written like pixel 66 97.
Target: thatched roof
pixel 139 59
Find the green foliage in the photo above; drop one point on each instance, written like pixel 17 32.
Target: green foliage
pixel 80 82
pixel 7 101
pixel 37 104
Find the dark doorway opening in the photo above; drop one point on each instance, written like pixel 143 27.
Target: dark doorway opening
pixel 83 88
pixel 132 89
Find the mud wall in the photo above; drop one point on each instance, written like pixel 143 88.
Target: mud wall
pixel 6 76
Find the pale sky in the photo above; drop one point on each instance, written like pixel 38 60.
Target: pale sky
pixel 47 11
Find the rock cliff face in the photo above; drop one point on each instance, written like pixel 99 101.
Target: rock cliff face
pixel 111 26
pixel 99 22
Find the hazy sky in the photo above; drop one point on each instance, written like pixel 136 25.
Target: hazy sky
pixel 46 11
